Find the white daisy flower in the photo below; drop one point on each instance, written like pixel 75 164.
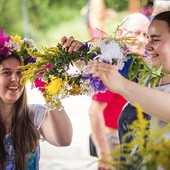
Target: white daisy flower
pixel 110 50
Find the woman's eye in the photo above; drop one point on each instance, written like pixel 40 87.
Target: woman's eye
pixel 19 73
pixel 7 73
pixel 155 40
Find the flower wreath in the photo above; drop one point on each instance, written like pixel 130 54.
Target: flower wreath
pixel 16 45
pixel 49 70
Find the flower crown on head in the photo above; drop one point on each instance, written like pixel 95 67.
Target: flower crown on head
pixel 16 46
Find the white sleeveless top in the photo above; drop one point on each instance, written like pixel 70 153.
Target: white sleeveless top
pixel 165 88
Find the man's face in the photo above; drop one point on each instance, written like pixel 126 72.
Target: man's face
pixel 138 30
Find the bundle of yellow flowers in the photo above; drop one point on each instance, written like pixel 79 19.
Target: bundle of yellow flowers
pixel 149 149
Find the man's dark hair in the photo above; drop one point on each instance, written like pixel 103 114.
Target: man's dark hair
pixel 149 4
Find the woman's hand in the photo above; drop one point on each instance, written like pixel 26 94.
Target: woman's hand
pixel 70 43
pixel 108 74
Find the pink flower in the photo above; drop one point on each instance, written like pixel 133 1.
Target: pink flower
pixel 40 84
pixel 48 66
pixel 40 73
pixel 4 44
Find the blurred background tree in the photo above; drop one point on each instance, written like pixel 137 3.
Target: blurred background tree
pixel 47 21
pixel 117 4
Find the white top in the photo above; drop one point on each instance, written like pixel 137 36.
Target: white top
pixel 40 112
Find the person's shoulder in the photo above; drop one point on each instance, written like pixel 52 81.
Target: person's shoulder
pixel 105 96
pixel 104 93
pixel 37 109
pixel 37 113
pixel 36 106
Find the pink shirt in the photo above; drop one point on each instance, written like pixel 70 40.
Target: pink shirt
pixel 115 103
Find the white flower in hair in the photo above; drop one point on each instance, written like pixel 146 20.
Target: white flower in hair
pixel 14 46
pixel 29 43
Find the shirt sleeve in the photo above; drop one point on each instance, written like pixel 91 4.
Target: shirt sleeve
pixel 105 97
pixel 39 114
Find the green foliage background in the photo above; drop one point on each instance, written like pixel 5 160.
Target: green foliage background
pixel 46 21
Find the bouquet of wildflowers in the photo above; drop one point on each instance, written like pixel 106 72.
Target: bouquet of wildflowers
pixel 50 73
pixel 49 70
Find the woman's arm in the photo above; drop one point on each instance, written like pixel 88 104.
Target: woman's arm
pixel 57 128
pixel 153 102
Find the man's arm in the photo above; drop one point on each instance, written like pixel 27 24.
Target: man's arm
pixel 98 126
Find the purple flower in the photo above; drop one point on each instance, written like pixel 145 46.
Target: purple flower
pixel 85 46
pixel 93 57
pixel 95 83
pixel 30 60
pixel 146 53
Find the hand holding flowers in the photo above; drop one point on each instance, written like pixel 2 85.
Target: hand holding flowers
pixel 70 43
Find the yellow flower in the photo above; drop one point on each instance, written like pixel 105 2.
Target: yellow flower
pixel 16 38
pixel 162 154
pixel 54 86
pixel 75 90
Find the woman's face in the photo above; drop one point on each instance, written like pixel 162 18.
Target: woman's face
pixel 159 45
pixel 10 88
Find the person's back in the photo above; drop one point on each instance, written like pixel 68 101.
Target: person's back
pixel 98 13
pixel 160 6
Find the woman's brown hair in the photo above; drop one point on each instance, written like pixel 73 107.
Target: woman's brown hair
pixel 25 136
pixel 163 16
